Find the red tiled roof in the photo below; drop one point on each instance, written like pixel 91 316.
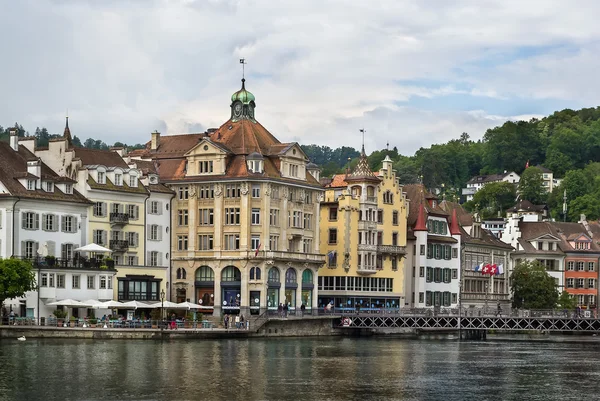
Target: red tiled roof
pixel 106 158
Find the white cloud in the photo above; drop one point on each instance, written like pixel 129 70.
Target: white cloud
pixel 320 70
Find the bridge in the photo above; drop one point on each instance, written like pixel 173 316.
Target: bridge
pixel 469 320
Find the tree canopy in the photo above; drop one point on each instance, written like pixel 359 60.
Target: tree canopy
pixel 16 278
pixel 532 287
pixel 531 186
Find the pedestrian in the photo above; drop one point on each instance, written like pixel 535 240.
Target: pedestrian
pixel 280 309
pixel 225 321
pixel 286 310
pixel 302 309
pixel 358 309
pixel 237 322
pixel 499 310
pixel 242 323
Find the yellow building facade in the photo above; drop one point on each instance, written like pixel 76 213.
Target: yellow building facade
pixel 363 234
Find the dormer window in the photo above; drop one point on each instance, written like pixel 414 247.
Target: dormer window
pixel 133 181
pixel 118 179
pixel 293 170
pixel 31 185
pixel 69 188
pixel 255 166
pixel 205 167
pixel 101 177
pixel 49 186
pixel 582 245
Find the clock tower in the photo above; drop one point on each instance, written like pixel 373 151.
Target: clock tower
pixel 242 104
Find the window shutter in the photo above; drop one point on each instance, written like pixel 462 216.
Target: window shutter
pixel 44 222
pixel 23 220
pixel 149 231
pixel 159 260
pixel 95 235
pixel 23 248
pixel 103 209
pixel 37 221
pixel 159 207
pixel 62 223
pixel 136 238
pixel 75 225
pixel 36 246
pixel 159 233
pixel 54 223
pixel 136 212
pixel 104 239
pixel 148 258
pixel 51 247
pixel 136 261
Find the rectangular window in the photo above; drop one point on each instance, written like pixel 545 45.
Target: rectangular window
pixel 132 239
pixel 422 250
pixel 454 253
pixel 30 185
pixel 133 181
pixel 307 221
pixel 254 242
pixel 437 275
pixel 118 179
pixel 422 271
pixel 91 282
pixel 154 258
pixel 99 237
pixel 206 192
pixel 580 282
pixel 394 263
pixel 580 266
pixel 102 282
pixel 274 242
pixel 333 212
pixel 182 217
pixel 447 252
pixel 332 236
pixel 154 207
pixel 51 280
pixel 429 277
pixel 591 283
pixel 100 209
pixel 206 217
pixel 205 242
pixel 69 224
pixel 101 177
pixel 49 187
pixel 395 239
pixel 428 298
pixel 256 190
pixel 133 211
pixel 31 221
pixel 49 222
pixel 205 167
pixel 232 191
pixel 255 217
pixel 155 232
pixel 296 219
pixel 454 274
pixel 232 215
pixel 395 217
pixel 232 242
pixel 591 266
pixel 421 297
pixel 76 279
pixel 44 280
pixel 380 216
pixel 182 242
pixel 182 193
pixel 274 217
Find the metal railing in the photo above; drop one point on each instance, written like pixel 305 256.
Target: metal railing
pixel 119 218
pixel 119 245
pixel 40 262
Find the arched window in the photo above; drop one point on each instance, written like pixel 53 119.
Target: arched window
pixel 231 273
pixel 255 273
pixel 307 277
pixel 370 191
pixel 290 276
pixel 205 273
pixel 181 274
pixel 273 275
pixel 388 197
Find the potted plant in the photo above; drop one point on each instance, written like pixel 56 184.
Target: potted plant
pixel 93 322
pixel 110 263
pixel 103 267
pixel 50 260
pixel 72 320
pixel 60 316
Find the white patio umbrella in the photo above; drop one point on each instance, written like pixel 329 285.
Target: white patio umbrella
pixel 191 305
pixel 93 303
pixel 169 305
pixel 69 303
pixel 137 305
pixel 112 305
pixel 93 248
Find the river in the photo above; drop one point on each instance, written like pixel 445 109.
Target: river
pixel 297 369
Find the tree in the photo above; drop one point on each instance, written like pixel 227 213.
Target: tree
pixel 494 197
pixel 566 301
pixel 533 287
pixel 16 278
pixel 531 186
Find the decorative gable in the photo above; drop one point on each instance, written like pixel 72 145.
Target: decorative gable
pixel 206 158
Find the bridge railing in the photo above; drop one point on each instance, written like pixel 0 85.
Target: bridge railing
pixel 464 312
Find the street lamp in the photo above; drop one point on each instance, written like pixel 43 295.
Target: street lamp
pixel 486 297
pixel 459 308
pixel 162 304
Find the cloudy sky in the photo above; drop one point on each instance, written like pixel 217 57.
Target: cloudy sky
pixel 412 73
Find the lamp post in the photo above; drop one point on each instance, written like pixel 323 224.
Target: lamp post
pixel 486 298
pixel 459 308
pixel 162 304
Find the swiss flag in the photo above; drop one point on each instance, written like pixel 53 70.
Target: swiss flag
pixel 486 269
pixel 493 269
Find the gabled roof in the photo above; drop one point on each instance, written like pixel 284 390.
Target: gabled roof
pixel 464 218
pixel 362 172
pixel 527 206
pixel 106 158
pixel 487 239
pixel 13 165
pixel 483 179
pixel 417 195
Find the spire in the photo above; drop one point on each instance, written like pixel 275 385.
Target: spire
pixel 420 224
pixel 67 133
pixel 454 230
pixel 362 171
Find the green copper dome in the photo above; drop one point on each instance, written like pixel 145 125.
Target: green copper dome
pixel 243 95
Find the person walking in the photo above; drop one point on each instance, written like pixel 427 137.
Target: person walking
pixel 499 310
pixel 237 322
pixel 302 309
pixel 286 310
pixel 280 309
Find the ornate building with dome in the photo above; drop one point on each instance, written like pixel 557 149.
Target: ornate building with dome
pixel 245 216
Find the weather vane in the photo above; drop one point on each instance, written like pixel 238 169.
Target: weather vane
pixel 243 63
pixel 362 130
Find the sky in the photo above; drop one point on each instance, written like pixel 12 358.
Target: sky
pixel 411 73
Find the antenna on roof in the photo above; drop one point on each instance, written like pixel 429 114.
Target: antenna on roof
pixel 243 63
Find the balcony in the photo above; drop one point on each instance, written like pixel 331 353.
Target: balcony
pixel 284 256
pixel 371 199
pixel 119 219
pixel 365 225
pixel 367 248
pixel 391 249
pixel 49 263
pixel 366 269
pixel 117 245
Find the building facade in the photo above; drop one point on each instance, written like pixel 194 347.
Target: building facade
pixel 44 218
pixel 245 215
pixel 479 181
pixel 433 252
pixel 363 233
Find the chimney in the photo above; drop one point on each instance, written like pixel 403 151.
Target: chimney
pixel 35 167
pixel 155 140
pixel 14 140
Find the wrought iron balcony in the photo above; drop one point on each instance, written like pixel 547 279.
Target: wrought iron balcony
pixel 293 256
pixel 49 262
pixel 119 218
pixel 391 249
pixel 119 245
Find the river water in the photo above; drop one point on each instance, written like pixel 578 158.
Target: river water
pixel 297 369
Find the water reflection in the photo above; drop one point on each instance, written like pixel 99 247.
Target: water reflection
pixel 275 369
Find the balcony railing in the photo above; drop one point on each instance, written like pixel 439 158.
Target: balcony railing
pixel 367 225
pixel 119 245
pixel 293 256
pixel 119 218
pixel 367 248
pixel 371 199
pixel 366 269
pixel 391 249
pixel 72 263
